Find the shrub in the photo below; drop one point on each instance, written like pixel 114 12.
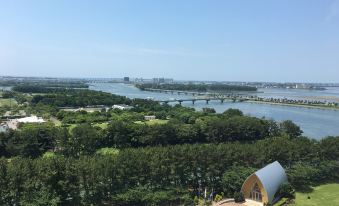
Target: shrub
pixel 239 197
pixel 196 200
pixel 286 190
pixel 218 198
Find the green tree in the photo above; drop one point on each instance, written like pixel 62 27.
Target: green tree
pixel 233 179
pixel 290 129
pixel 85 139
pixel 233 112
pixel 32 140
pixel 301 176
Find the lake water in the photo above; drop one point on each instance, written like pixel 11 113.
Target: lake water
pixel 316 123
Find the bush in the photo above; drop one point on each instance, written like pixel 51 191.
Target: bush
pixel 287 190
pixel 218 198
pixel 196 200
pixel 233 112
pixel 239 197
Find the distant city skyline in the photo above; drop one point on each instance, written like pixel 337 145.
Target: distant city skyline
pixel 254 41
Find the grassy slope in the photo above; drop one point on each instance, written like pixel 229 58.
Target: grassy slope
pixel 322 195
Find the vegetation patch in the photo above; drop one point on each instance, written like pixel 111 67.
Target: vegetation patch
pixel 108 151
pixel 101 125
pixel 7 102
pixel 153 122
pixel 327 194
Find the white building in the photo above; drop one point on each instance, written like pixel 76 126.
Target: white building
pixel 121 106
pixel 31 119
pixel 14 123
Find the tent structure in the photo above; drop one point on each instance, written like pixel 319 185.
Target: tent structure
pixel 262 185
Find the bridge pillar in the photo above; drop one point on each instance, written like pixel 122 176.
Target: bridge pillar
pixel 222 100
pixel 193 101
pixel 207 100
pixel 180 101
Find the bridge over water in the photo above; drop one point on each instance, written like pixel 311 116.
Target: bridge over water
pixel 195 93
pixel 202 96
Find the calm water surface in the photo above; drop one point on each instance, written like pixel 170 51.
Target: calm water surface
pixel 331 94
pixel 316 123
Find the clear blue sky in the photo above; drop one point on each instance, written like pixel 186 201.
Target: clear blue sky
pixel 240 40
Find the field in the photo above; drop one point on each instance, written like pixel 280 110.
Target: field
pixel 322 195
pixel 101 125
pixel 152 122
pixel 8 102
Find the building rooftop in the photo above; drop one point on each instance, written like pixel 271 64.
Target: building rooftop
pixel 272 176
pixel 31 119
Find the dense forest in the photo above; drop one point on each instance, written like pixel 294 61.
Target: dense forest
pixel 115 157
pixel 197 87
pixel 160 175
pixel 37 89
pixel 78 98
pixel 66 97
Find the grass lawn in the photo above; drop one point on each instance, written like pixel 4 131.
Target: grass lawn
pixel 280 202
pixel 322 195
pixel 7 102
pixel 101 125
pixel 152 122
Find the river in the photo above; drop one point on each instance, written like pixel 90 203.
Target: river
pixel 316 123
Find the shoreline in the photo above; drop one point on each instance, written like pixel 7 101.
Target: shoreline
pixel 295 105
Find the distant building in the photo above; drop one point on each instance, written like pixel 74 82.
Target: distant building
pixel 262 185
pixel 169 81
pixel 162 81
pixel 126 79
pixel 122 107
pixel 31 119
pixel 14 123
pixel 151 117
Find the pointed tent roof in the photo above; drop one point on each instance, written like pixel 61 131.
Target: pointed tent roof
pixel 272 176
